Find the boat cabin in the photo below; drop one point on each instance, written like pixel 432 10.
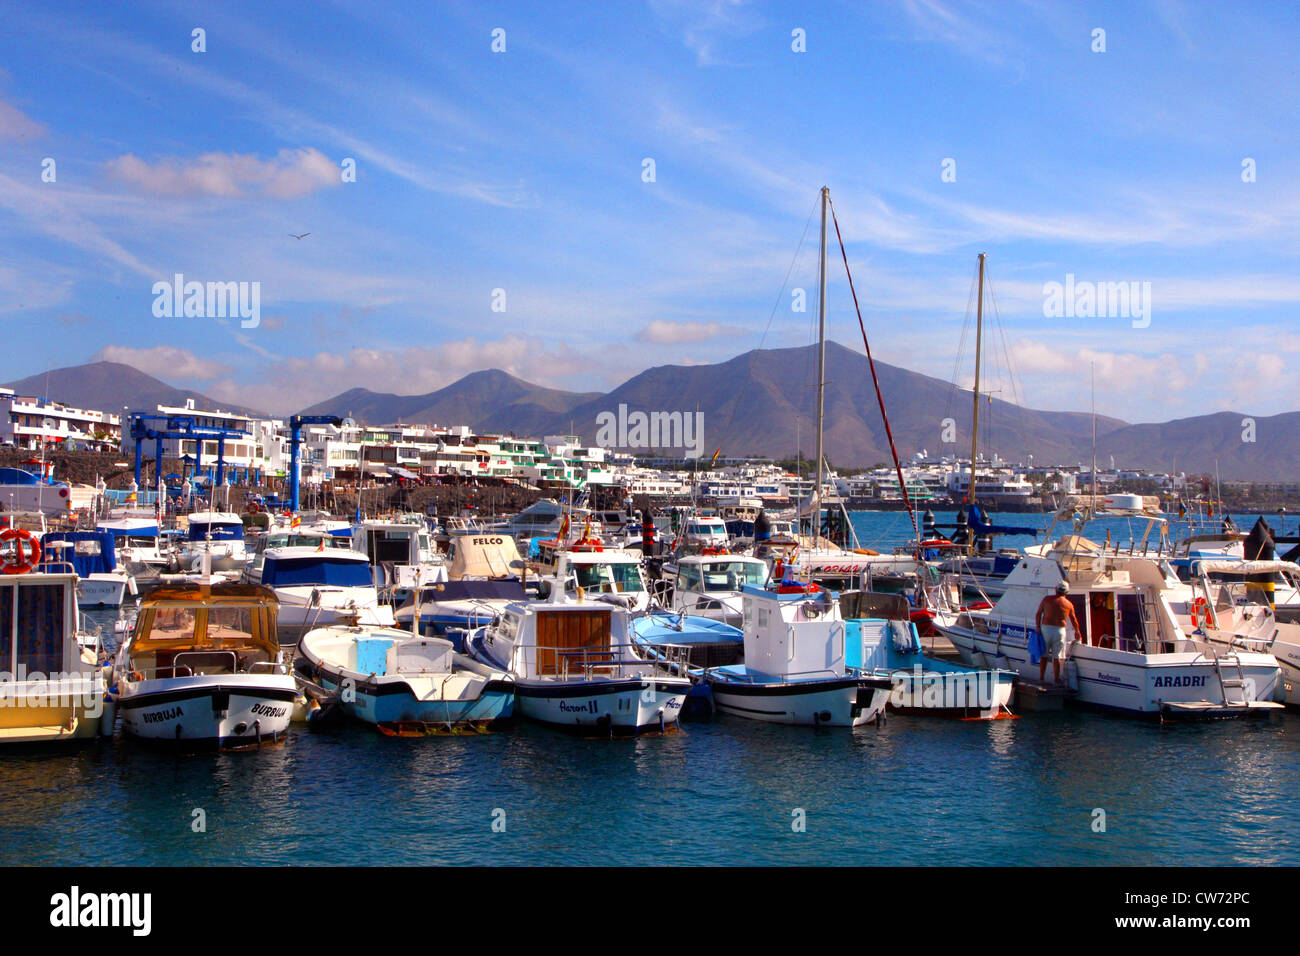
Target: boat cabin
pixel 191 629
pixel 793 632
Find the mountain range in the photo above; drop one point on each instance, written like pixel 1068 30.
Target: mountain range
pixel 762 403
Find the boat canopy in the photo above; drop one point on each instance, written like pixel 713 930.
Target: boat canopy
pixel 331 570
pixel 227 616
pixel 492 589
pixel 1247 567
pixel 220 530
pixel 130 528
pixel 88 552
pixel 483 556
pixel 16 476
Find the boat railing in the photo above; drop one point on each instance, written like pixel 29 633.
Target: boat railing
pixel 610 660
pixel 821 672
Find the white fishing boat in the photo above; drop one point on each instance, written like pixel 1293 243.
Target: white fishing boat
pixel 141 549
pixel 576 667
pixel 92 556
pixel 322 585
pixel 1133 656
pixel 710 585
pixel 883 640
pixel 52 684
pixel 405 684
pixel 202 669
pixel 1227 605
pixel 588 567
pixel 401 554
pixel 217 534
pixel 796 668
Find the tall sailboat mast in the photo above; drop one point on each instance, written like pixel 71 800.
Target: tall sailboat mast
pixel 821 367
pixel 975 418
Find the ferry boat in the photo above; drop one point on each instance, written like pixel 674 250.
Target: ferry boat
pixel 405 683
pixel 52 688
pixel 202 669
pixel 796 668
pixel 1133 656
pixel 577 668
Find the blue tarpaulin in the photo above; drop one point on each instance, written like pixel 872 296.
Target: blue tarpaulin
pixel 323 570
pixel 89 552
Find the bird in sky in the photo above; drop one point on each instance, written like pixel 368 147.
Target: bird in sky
pixel 303 236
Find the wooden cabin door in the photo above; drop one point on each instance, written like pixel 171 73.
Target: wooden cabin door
pixel 575 636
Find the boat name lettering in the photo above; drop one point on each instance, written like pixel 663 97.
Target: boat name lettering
pixel 266 710
pixel 488 541
pixel 586 708
pixel 1189 681
pixel 158 716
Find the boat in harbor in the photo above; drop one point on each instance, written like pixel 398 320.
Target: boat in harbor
pixel 577 668
pixel 217 534
pixel 710 585
pixel 203 669
pixel 796 668
pixel 92 556
pixel 320 583
pixel 52 687
pixel 882 639
pixel 1133 656
pixel 401 553
pixel 404 683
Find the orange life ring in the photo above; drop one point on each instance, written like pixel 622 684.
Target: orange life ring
pixel 1200 612
pixel 17 563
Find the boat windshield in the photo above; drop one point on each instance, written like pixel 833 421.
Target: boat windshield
pixel 308 541
pixel 731 575
pixel 623 576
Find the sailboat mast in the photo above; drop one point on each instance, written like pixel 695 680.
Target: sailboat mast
pixel 821 366
pixel 979 347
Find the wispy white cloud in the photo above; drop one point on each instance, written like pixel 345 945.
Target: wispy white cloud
pixel 15 124
pixel 169 363
pixel 291 174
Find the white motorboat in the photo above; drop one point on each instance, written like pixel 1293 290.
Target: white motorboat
pixel 1133 656
pixel 203 669
pixel 796 668
pixel 322 585
pixel 405 684
pixel 52 684
pixel 710 585
pixel 217 534
pixel 401 554
pixel 576 667
pixel 883 640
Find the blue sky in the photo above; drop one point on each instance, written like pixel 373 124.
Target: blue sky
pixel 522 171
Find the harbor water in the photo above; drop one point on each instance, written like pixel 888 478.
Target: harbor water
pixel 1048 788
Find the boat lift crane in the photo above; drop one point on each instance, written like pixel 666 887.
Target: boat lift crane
pixel 295 441
pixel 181 427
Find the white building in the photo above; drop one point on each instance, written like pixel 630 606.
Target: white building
pixel 29 422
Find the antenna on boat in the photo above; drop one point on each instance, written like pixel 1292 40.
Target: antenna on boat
pixel 1092 388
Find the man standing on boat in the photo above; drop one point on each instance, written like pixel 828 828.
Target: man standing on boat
pixel 1054 611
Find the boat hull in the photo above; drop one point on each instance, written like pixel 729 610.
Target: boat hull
pixel 223 712
pixel 979 694
pixel 48 711
pixel 398 703
pixel 617 707
pixel 1114 680
pixel 831 702
pixel 108 590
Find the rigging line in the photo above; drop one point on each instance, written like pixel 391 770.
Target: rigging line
pixel 902 482
pixel 1011 374
pixel 961 346
pixel 772 315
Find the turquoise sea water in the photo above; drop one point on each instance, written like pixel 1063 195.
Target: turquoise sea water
pixel 915 791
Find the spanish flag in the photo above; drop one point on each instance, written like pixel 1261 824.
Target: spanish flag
pixel 321 546
pixel 714 460
pixel 295 522
pixel 133 497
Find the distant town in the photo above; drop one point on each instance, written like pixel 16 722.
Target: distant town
pixel 253 451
